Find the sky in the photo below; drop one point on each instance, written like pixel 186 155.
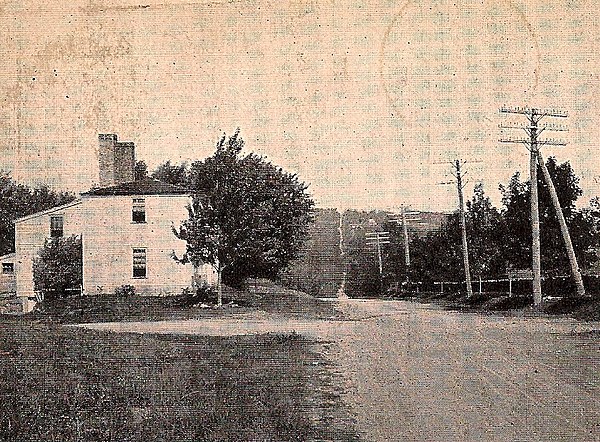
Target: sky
pixel 367 101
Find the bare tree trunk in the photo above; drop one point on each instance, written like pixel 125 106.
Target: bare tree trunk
pixel 564 229
pixel 219 287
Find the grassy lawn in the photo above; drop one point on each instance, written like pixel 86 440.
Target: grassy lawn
pixel 259 295
pixel 69 384
pixel 585 309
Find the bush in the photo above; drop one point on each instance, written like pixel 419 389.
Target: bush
pixel 203 293
pixel 505 303
pixel 125 290
pixel 58 267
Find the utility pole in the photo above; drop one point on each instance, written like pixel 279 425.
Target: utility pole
pixel 533 144
pixel 406 241
pixel 341 294
pixel 378 239
pixel 405 218
pixel 463 223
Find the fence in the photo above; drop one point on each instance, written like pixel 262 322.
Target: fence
pixel 520 283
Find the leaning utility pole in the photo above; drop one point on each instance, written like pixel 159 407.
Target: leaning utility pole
pixel 563 228
pixel 463 224
pixel 533 143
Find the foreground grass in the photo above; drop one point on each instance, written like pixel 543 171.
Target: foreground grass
pixel 70 384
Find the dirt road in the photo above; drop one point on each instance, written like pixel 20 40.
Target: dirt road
pixel 418 373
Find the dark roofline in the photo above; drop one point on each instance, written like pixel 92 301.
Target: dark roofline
pixel 146 186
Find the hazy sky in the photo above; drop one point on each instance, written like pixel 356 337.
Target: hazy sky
pixel 366 100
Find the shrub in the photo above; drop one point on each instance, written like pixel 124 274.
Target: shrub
pixel 202 293
pixel 125 290
pixel 58 267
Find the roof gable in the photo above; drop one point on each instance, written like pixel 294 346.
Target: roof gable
pixel 48 211
pixel 145 186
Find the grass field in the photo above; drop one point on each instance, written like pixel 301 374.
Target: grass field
pixel 61 383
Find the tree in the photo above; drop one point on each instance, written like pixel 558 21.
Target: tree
pixel 141 170
pixel 483 220
pixel 172 174
pixel 248 218
pixel 515 229
pixel 438 256
pixel 58 267
pixel 18 200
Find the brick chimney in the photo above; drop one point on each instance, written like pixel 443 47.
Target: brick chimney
pixel 116 160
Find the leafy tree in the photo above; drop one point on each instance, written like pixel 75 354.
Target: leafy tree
pixel 515 226
pixel 58 267
pixel 18 200
pixel 483 220
pixel 360 259
pixel 248 217
pixel 172 174
pixel 438 256
pixel 319 269
pixel 141 170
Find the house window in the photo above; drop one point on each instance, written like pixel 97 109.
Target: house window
pixel 56 226
pixel 138 213
pixel 139 263
pixel 8 268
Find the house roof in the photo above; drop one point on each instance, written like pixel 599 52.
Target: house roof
pixel 145 186
pixel 8 257
pixel 48 211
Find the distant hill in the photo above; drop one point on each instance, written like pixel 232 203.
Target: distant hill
pixel 320 269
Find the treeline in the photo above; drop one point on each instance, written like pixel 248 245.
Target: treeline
pixel 499 239
pixel 18 200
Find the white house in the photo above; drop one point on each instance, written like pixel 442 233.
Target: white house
pixel 125 227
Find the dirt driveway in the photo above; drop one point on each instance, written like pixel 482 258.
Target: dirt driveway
pixel 417 373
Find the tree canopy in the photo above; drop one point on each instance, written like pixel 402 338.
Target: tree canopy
pixel 248 217
pixel 501 238
pixel 18 200
pixel 58 267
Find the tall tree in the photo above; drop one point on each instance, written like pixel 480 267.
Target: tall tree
pixel 514 227
pixel 248 217
pixel 141 170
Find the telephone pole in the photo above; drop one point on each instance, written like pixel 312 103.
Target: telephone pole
pixel 463 223
pixel 378 239
pixel 405 218
pixel 533 144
